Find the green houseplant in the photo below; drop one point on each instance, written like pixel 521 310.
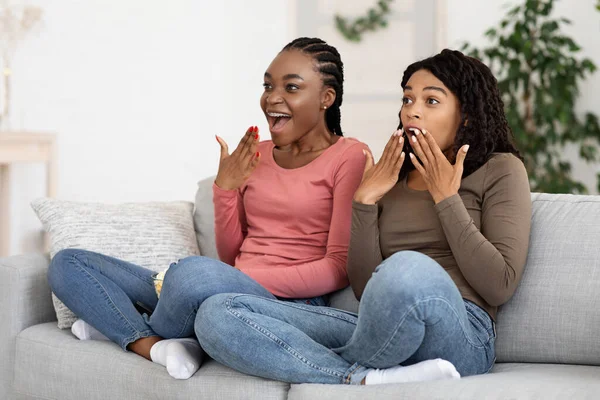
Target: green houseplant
pixel 539 75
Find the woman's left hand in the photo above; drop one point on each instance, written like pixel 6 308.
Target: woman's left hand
pixel 442 178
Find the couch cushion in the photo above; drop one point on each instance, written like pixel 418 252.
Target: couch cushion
pixel 506 381
pixel 552 317
pixel 204 218
pixel 344 300
pixel 52 364
pixel 152 234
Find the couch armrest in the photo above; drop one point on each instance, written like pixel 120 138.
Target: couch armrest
pixel 25 300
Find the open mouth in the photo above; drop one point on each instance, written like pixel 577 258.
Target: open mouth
pixel 277 121
pixel 410 132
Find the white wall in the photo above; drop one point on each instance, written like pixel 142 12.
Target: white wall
pixel 137 89
pixel 469 19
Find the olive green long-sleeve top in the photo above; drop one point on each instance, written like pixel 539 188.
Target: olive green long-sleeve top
pixel 480 236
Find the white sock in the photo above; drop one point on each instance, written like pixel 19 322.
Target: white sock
pixel 85 331
pixel 182 357
pixel 429 370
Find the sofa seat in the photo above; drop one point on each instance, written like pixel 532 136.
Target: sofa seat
pixel 52 364
pixel 506 381
pixel 59 362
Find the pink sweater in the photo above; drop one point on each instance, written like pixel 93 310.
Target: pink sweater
pixel 289 229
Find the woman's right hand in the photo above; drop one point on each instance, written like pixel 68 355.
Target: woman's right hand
pixel 380 178
pixel 236 168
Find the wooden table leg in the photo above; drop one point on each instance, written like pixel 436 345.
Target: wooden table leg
pixel 52 172
pixel 52 187
pixel 4 210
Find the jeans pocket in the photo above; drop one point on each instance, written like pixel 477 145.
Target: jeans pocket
pixel 481 323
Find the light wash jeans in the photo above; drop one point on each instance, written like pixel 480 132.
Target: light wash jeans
pixel 103 291
pixel 410 311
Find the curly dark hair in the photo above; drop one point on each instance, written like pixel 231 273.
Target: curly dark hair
pixel 329 64
pixel 476 88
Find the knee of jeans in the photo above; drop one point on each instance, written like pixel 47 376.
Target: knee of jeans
pixel 60 267
pixel 211 317
pixel 183 270
pixel 405 272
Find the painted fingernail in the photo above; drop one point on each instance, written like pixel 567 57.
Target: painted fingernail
pixel 414 138
pixel 258 154
pixel 411 155
pixel 401 139
pixel 466 148
pixel 402 155
pixel 424 131
pixel 416 131
pixel 251 129
pixel 256 137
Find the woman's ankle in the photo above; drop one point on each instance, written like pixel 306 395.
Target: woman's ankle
pixel 143 345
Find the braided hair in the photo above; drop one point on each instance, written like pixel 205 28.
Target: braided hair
pixel 329 64
pixel 483 123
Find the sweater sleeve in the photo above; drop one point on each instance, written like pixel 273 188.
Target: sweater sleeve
pixel 364 254
pixel 230 223
pixel 329 273
pixel 492 258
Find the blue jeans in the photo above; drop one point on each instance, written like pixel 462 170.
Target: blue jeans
pixel 410 311
pixel 103 291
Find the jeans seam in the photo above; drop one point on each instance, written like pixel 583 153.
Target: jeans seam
pixel 289 349
pixel 193 312
pixel 112 303
pixel 403 319
pixel 352 370
pixel 311 309
pixel 140 277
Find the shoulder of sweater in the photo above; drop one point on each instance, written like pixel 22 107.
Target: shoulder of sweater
pixel 504 166
pixel 351 148
pixel 502 163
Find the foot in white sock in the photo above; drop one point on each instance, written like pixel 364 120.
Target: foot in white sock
pixel 182 357
pixel 429 370
pixel 84 331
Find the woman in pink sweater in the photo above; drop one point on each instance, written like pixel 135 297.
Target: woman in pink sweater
pixel 282 219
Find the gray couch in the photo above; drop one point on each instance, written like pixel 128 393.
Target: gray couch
pixel 547 346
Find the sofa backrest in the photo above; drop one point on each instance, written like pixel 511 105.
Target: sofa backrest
pixel 552 317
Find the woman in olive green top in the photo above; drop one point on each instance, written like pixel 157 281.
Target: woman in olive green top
pixel 438 243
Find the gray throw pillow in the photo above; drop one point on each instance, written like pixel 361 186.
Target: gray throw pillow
pixel 151 235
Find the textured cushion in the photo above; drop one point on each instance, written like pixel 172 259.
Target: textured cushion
pixel 151 235
pixel 552 318
pixel 53 364
pixel 506 381
pixel 204 218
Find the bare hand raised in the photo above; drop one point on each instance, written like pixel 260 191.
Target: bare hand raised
pixel 236 168
pixel 379 178
pixel 442 178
